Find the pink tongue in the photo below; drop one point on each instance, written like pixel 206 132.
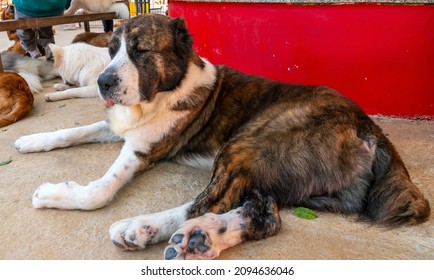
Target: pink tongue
pixel 110 102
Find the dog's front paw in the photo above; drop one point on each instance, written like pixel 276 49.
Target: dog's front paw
pixel 53 96
pixel 62 196
pixel 135 233
pixel 206 236
pixel 33 143
pixel 49 97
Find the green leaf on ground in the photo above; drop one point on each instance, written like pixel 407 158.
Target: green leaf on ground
pixel 305 213
pixel 5 162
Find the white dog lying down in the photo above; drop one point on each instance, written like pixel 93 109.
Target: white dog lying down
pixel 99 6
pixel 79 65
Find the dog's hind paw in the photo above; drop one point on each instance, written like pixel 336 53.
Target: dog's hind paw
pixel 198 246
pixel 206 236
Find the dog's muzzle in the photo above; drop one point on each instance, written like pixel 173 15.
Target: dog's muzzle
pixel 107 82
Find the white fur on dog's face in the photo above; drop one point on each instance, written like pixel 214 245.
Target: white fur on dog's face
pixel 125 78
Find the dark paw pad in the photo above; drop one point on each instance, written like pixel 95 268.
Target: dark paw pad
pixel 197 242
pixel 170 253
pixel 130 244
pixel 177 238
pixel 118 244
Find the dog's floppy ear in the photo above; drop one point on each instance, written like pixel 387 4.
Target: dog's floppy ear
pixel 182 38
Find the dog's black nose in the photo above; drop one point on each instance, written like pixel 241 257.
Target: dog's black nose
pixel 106 80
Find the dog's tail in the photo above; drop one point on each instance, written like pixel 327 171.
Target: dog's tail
pixel 33 81
pixel 121 10
pixel 393 199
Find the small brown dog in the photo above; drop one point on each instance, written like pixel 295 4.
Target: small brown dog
pixel 8 14
pixel 16 99
pixel 93 38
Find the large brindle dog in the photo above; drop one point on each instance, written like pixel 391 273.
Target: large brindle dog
pixel 271 145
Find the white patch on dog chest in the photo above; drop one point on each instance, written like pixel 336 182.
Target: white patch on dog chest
pixel 144 123
pixel 123 118
pixel 148 122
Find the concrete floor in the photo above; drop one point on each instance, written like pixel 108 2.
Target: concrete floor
pixel 27 233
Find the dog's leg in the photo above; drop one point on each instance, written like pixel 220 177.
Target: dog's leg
pixel 71 195
pixel 137 232
pixel 206 236
pixel 74 92
pixel 75 5
pixel 254 216
pixel 203 237
pixel 42 142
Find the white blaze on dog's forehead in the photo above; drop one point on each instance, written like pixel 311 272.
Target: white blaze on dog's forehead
pixel 126 72
pixel 121 55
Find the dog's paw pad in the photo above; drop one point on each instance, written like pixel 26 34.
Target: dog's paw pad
pixel 170 253
pixel 198 242
pixel 177 238
pixel 149 230
pixel 196 245
pixel 117 244
pixel 206 236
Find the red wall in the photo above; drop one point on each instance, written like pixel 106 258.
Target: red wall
pixel 381 56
